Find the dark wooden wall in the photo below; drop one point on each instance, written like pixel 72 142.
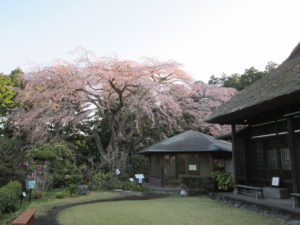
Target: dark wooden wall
pixel 262 152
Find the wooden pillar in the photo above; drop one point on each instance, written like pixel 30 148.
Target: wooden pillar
pixel 176 173
pixel 248 157
pixel 211 163
pixel 246 150
pixel 186 164
pixel 198 164
pixel 234 153
pixel 162 166
pixel 293 153
pixel 149 166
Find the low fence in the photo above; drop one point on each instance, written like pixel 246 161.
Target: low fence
pixel 26 218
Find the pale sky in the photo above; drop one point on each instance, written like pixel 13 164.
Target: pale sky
pixel 206 36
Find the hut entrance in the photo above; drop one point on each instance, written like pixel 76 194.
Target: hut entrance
pixel 170 169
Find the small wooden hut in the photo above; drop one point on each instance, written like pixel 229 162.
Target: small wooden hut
pixel 269 112
pixel 190 152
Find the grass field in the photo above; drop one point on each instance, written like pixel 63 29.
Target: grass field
pixel 173 210
pixel 43 205
pixel 49 201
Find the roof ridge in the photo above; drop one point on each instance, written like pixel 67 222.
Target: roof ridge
pixel 188 141
pixel 264 94
pixel 295 53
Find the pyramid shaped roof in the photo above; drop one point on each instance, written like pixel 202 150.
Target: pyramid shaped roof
pixel 189 141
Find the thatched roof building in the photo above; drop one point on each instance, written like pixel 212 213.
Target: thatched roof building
pixel 277 89
pixel 269 111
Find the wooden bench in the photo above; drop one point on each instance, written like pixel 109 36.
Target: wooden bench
pixel 26 218
pixel 259 190
pixel 295 196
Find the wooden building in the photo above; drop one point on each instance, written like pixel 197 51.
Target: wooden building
pixel 268 145
pixel 190 152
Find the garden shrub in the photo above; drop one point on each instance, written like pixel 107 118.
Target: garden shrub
pixel 44 155
pixel 36 194
pixel 53 163
pixel 196 184
pixel 102 181
pixel 131 186
pixel 73 190
pixel 60 195
pixel 224 179
pixel 137 164
pixel 74 179
pixel 4 169
pixel 10 159
pixel 10 196
pixel 106 181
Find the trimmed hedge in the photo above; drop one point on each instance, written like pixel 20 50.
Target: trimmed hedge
pixel 197 184
pixel 130 186
pixel 10 196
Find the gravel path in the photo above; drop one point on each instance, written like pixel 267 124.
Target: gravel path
pixel 51 217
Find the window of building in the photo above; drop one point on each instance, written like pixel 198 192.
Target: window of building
pixel 155 165
pixel 282 126
pixel 296 122
pixel 264 129
pixel 258 155
pixel 272 161
pixel 180 164
pixel 285 158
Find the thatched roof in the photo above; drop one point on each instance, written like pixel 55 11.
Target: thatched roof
pixel 189 141
pixel 276 89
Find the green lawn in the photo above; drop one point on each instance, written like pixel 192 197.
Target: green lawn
pixel 43 205
pixel 49 201
pixel 173 210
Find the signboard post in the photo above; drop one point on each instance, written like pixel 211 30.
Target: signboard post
pixel 31 183
pixel 139 177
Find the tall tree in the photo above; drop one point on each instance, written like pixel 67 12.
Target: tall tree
pixel 16 76
pixel 250 76
pixel 233 81
pixel 271 66
pixel 240 81
pixel 7 94
pixel 116 103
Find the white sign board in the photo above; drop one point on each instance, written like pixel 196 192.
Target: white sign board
pixel 31 183
pixel 275 181
pixel 139 177
pixel 192 167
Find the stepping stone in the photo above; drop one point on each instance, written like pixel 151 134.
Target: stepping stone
pixel 83 189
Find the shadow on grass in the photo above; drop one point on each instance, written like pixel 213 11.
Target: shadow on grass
pixel 51 216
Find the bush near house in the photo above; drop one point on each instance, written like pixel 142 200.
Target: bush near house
pixel 107 181
pixel 223 178
pixel 130 186
pixel 101 181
